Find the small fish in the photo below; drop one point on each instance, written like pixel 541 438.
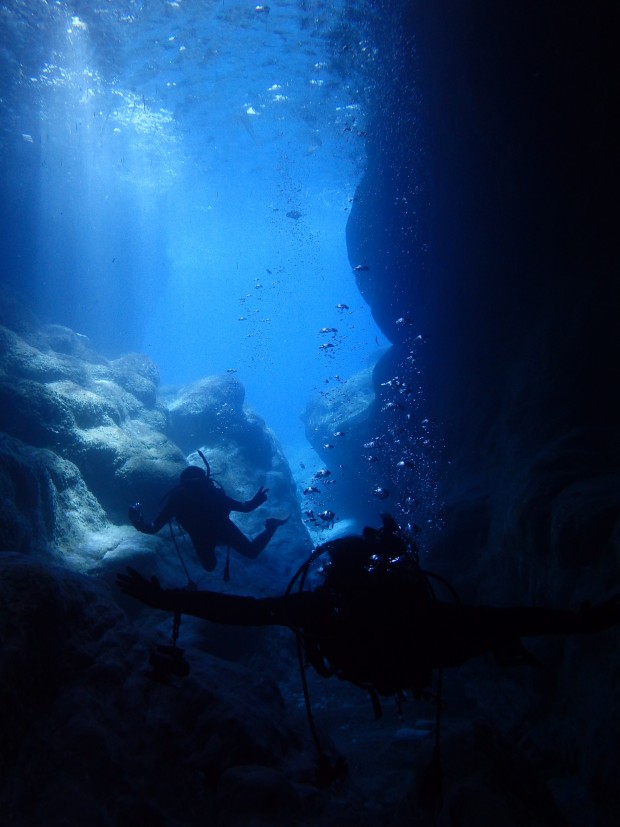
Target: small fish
pixel 380 493
pixel 342 307
pixel 328 330
pixel 328 445
pixel 322 473
pixel 327 516
pixel 372 458
pixel 325 346
pixel 361 268
pixel 339 433
pixel 404 320
pixel 230 370
pixel 404 463
pixel 311 489
pixel 294 214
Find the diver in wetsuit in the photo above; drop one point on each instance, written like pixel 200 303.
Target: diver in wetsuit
pixel 373 620
pixel 202 508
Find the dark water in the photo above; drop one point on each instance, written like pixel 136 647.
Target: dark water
pixel 177 177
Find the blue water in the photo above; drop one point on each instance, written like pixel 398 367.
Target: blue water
pixel 177 178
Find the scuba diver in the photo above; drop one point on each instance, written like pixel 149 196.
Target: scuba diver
pixel 375 620
pixel 202 508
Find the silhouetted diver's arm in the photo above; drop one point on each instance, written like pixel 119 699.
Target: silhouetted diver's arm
pixel 297 610
pixel 146 526
pixel 455 633
pixel 442 634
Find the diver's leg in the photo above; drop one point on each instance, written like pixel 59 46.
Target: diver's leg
pixel 271 526
pixel 236 539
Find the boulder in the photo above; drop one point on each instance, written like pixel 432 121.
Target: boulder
pixel 102 417
pixel 338 424
pixel 374 439
pixel 211 410
pixel 35 413
pixel 44 502
pixel 102 437
pixel 138 375
pixel 122 464
pixel 79 716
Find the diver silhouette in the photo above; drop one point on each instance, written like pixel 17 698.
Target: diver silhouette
pixel 202 509
pixel 374 620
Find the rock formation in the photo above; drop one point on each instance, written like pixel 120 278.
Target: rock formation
pixel 483 222
pixel 82 437
pixel 88 737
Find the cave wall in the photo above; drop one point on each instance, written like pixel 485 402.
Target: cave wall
pixel 485 218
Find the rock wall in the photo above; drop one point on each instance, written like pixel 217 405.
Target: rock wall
pixel 484 221
pixel 81 437
pixel 88 737
pixel 486 226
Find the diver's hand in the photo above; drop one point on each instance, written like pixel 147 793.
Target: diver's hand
pixel 260 497
pixel 146 591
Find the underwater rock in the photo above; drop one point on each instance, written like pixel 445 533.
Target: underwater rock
pixel 34 413
pixel 138 375
pixel 348 409
pixel 99 402
pixel 99 430
pixel 21 360
pixel 488 780
pixel 123 463
pixel 209 410
pixel 61 339
pixel 79 715
pixel 516 292
pixel 33 356
pixel 246 794
pixel 584 518
pixel 345 406
pixel 44 502
pixel 16 316
pixel 101 417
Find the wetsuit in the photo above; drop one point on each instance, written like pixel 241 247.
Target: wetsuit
pixel 202 509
